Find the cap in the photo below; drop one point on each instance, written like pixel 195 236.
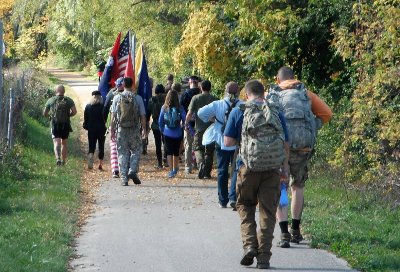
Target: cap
pixel 119 81
pixel 96 93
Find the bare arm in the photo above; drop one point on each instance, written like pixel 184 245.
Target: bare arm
pixel 73 111
pixel 229 141
pixel 46 112
pixel 189 117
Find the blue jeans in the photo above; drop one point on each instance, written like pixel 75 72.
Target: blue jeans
pixel 224 159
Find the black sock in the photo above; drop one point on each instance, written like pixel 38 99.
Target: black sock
pixel 284 226
pixel 296 224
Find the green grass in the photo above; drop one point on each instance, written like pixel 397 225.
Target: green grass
pixel 38 203
pixel 359 227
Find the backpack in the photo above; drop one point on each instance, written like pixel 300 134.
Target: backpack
pixel 300 120
pixel 227 112
pixel 262 145
pixel 172 117
pixel 61 111
pixel 157 103
pixel 128 111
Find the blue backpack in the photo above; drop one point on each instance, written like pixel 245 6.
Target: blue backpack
pixel 172 118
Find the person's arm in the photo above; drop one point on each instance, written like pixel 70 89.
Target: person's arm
pixel 46 112
pixel 319 107
pixel 107 105
pixel 161 120
pixel 73 111
pixel 233 128
pixel 285 170
pixel 183 115
pixel 85 118
pixel 206 113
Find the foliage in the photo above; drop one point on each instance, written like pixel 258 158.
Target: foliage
pixel 371 143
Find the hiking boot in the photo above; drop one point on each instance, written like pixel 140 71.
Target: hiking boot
pixel 133 176
pixel 262 261
pixel 115 174
pixel 296 236
pixel 233 205
pixel 59 162
pixel 285 240
pixel 124 182
pixel 248 256
pixel 263 265
pixel 90 161
pixel 208 176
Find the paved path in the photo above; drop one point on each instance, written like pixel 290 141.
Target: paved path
pixel 171 224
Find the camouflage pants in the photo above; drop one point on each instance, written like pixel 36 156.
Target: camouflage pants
pixel 262 188
pixel 129 150
pixel 298 165
pixel 204 153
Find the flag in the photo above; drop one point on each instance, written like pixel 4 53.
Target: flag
pixel 129 69
pixel 143 80
pixel 123 56
pixel 107 79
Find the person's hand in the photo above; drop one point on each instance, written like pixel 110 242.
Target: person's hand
pixel 113 136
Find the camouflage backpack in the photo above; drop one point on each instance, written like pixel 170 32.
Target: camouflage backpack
pixel 61 111
pixel 262 145
pixel 128 111
pixel 300 120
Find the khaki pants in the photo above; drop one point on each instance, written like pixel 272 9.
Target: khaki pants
pixel 188 143
pixel 262 188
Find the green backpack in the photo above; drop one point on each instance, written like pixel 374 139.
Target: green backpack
pixel 262 146
pixel 61 111
pixel 128 111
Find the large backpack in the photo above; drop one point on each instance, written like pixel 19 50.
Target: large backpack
pixel 157 103
pixel 300 120
pixel 128 111
pixel 172 117
pixel 262 144
pixel 61 111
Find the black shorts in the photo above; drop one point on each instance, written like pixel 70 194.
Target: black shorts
pixel 60 131
pixel 172 145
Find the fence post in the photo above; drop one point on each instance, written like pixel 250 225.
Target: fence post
pixel 10 120
pixel 1 74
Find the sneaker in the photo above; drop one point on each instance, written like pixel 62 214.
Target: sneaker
pixel 201 174
pixel 58 162
pixel 262 261
pixel 188 171
pixel 296 236
pixel 222 206
pixel 115 174
pixel 207 176
pixel 159 166
pixel 124 182
pixel 233 205
pixel 285 240
pixel 248 256
pixel 171 174
pixel 133 176
pixel 90 161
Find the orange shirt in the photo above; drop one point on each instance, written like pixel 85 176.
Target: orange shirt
pixel 318 106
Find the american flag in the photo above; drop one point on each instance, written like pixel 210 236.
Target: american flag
pixel 123 53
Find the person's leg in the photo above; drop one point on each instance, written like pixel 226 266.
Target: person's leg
pixel 157 140
pixel 135 150
pixel 92 139
pixel 208 159
pixel 188 142
pixel 222 176
pixel 57 148
pixel 123 155
pixel 199 151
pixel 234 173
pixel 101 140
pixel 176 151
pixel 64 150
pixel 268 200
pixel 247 188
pixel 169 144
pixel 114 158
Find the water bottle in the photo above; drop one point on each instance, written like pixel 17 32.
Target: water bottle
pixel 284 200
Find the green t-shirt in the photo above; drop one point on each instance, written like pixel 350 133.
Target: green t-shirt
pixel 198 101
pixel 52 101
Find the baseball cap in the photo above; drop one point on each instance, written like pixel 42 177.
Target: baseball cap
pixel 119 81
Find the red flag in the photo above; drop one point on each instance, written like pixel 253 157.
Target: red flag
pixel 114 55
pixel 129 69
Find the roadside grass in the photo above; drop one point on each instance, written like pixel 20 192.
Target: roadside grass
pixel 38 202
pixel 357 226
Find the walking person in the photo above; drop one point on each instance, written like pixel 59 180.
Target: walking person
pixel 60 108
pixel 204 154
pixel 119 88
pixel 154 109
pixel 171 121
pixel 95 125
pixel 305 113
pixel 261 132
pixel 128 127
pixel 188 136
pixel 220 110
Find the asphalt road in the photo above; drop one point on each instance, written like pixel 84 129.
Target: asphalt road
pixel 171 224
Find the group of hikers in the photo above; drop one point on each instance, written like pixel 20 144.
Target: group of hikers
pixel 261 144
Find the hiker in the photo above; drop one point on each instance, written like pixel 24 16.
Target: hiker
pixel 263 152
pixel 189 128
pixel 220 110
pixel 305 113
pixel 100 65
pixel 171 121
pixel 204 154
pixel 95 125
pixel 60 108
pixel 170 81
pixel 153 110
pixel 128 120
pixel 119 88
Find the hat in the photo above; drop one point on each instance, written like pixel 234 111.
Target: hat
pixel 119 81
pixel 96 93
pixel 232 87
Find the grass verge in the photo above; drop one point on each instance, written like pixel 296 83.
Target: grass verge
pixel 356 226
pixel 38 203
